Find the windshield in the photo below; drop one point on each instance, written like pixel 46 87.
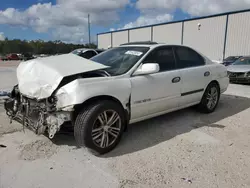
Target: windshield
pixel 242 61
pixel 120 59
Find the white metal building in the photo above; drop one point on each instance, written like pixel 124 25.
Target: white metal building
pixel 216 36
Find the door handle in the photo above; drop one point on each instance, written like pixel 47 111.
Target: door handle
pixel 176 79
pixel 207 74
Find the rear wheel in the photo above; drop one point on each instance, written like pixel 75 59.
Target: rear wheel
pixel 99 127
pixel 210 98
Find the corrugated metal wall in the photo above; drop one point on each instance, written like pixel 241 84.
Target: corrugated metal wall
pixel 238 34
pixel 120 38
pixel 104 41
pixel 170 33
pixel 209 38
pixel 142 34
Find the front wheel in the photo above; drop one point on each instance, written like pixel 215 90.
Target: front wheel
pixel 99 127
pixel 210 98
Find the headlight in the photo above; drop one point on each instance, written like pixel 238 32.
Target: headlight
pixel 52 99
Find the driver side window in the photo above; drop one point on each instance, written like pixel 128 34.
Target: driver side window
pixel 164 56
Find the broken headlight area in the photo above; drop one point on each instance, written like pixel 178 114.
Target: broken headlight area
pixel 41 116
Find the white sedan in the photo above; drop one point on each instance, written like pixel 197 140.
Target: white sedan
pixel 123 85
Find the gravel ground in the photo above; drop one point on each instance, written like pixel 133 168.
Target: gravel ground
pixel 180 149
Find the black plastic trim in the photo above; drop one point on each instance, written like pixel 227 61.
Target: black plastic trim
pixel 192 92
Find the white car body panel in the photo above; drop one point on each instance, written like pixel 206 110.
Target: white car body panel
pixel 219 73
pixel 81 90
pixel 38 78
pixel 155 90
pixel 193 80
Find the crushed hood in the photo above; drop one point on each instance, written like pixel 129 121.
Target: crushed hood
pixel 38 78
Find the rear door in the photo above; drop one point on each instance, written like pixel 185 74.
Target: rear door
pixel 195 75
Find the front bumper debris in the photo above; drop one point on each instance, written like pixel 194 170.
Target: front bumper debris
pixel 39 116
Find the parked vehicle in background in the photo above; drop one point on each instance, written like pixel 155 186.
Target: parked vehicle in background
pixel 229 60
pixel 20 56
pixel 87 53
pixel 239 71
pixel 3 58
pixel 12 56
pixel 27 56
pixel 120 86
pixel 99 50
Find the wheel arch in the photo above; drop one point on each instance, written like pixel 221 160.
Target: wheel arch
pixel 215 82
pixel 79 107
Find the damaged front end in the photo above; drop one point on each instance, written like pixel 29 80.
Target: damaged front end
pixel 41 116
pixel 40 101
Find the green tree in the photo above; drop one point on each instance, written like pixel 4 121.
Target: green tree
pixel 39 46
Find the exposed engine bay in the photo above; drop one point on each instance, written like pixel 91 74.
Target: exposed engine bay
pixel 39 116
pixel 42 116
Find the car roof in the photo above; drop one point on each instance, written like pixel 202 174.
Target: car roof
pixel 149 45
pixel 140 43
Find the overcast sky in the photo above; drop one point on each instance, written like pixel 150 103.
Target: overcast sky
pixel 66 20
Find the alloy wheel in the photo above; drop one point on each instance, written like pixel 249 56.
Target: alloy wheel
pixel 106 128
pixel 212 98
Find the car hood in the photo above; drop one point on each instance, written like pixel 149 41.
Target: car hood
pixel 239 68
pixel 38 78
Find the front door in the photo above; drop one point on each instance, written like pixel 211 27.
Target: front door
pixel 158 92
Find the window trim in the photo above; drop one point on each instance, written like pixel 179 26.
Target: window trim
pixel 157 48
pixel 177 58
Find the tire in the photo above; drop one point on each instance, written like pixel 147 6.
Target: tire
pixel 205 105
pixel 88 121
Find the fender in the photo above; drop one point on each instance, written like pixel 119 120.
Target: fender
pixel 80 90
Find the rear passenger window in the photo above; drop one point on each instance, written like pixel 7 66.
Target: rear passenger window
pixel 187 57
pixel 164 56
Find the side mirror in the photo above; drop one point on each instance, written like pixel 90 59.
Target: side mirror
pixel 148 68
